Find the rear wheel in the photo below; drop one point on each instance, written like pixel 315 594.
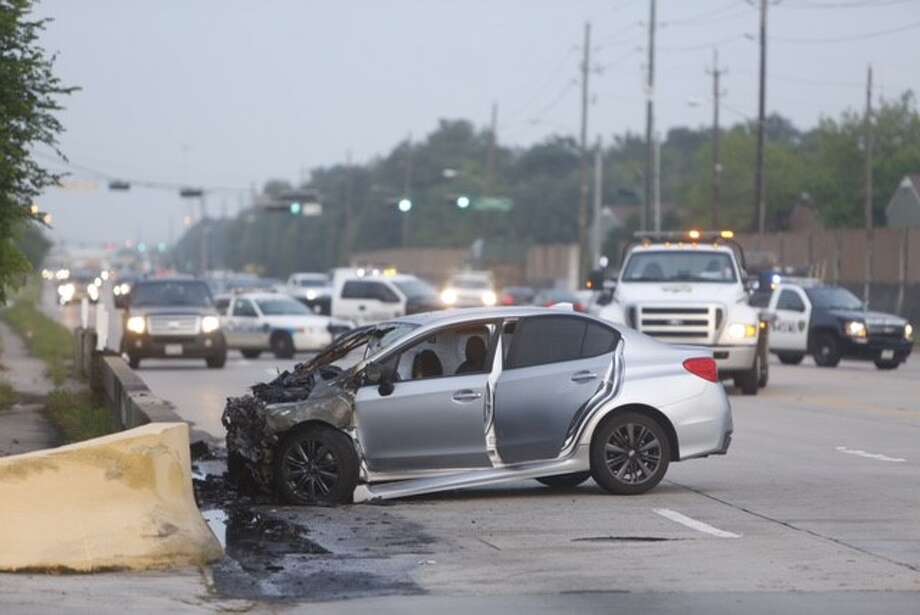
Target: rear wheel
pixel 790 358
pixel 251 354
pixel 886 365
pixel 565 481
pixel 630 454
pixel 826 350
pixel 282 345
pixel 316 465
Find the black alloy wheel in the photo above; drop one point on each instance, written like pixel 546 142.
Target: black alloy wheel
pixel 565 481
pixel 826 351
pixel 630 454
pixel 316 465
pixel 282 345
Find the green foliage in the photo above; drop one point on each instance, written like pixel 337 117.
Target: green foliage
pixel 28 103
pixel 79 415
pixel 8 396
pixel 45 338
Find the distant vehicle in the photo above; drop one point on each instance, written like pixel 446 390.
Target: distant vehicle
pixel 466 398
pixel 548 297
pixel 372 298
pixel 172 318
pixel 314 290
pixel 469 289
pixel 831 323
pixel 517 295
pixel 689 288
pixel 78 285
pixel 256 322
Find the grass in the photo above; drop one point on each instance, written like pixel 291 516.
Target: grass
pixel 79 415
pixel 8 396
pixel 46 339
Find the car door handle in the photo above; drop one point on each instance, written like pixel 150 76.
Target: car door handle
pixel 466 395
pixel 583 376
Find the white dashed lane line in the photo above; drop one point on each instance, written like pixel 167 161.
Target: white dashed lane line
pixel 693 524
pixel 862 453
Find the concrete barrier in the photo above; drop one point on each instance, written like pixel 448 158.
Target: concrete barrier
pixel 123 501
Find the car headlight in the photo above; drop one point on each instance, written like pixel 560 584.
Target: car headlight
pixel 908 332
pixel 209 324
pixel 136 324
pixel 93 291
pixel 740 331
pixel 489 298
pixel 855 328
pixel 66 290
pixel 311 295
pixel 449 296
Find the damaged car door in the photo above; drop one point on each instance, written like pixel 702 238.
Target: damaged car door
pixel 553 366
pixel 422 406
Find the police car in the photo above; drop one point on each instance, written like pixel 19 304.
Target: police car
pixel 255 322
pixel 831 323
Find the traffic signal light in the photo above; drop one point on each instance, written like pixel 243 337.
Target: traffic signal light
pixel 295 208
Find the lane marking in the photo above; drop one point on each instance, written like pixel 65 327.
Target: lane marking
pixel 862 453
pixel 693 524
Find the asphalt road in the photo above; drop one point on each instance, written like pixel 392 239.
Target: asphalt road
pixel 815 505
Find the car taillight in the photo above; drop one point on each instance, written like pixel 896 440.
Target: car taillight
pixel 580 307
pixel 507 300
pixel 704 367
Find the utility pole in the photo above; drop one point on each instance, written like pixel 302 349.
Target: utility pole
pixel 583 198
pixel 656 188
pixel 650 164
pixel 716 73
pixel 407 190
pixel 760 204
pixel 490 158
pixel 598 198
pixel 867 138
pixel 347 230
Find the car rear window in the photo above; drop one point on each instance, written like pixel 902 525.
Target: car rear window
pixel 555 339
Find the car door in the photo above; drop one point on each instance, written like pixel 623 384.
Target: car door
pixel 790 328
pixel 427 422
pixel 554 365
pixel 245 324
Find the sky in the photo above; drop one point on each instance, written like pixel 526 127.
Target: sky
pixel 229 93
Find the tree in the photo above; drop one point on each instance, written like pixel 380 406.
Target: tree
pixel 29 91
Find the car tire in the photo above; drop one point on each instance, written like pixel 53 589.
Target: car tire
pixel 565 481
pixel 617 458
pixel 749 381
pixel 790 358
pixel 886 365
pixel 251 354
pixel 134 361
pixel 316 465
pixel 217 361
pixel 764 376
pixel 282 345
pixel 826 352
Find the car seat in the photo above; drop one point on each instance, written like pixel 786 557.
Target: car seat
pixel 426 364
pixel 475 352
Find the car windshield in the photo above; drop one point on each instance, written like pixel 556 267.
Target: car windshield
pixel 833 298
pixel 470 283
pixel 310 282
pixel 281 306
pixel 192 294
pixel 386 334
pixel 680 266
pixel 415 288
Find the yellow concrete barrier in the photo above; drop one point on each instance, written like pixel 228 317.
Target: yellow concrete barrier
pixel 123 501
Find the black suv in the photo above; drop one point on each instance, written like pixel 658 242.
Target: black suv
pixel 172 318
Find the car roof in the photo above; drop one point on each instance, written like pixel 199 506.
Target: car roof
pixel 462 315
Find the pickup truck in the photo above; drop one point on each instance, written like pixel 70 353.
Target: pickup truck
pixel 689 288
pixel 831 323
pixel 366 299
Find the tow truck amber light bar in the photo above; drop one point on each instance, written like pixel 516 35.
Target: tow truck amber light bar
pixel 691 235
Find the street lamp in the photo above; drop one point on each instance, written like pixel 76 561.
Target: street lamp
pixel 405 205
pixel 463 202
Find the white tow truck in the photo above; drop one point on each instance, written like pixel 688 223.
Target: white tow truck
pixel 689 288
pixel 366 296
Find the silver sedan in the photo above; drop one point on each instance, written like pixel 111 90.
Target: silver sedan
pixel 455 399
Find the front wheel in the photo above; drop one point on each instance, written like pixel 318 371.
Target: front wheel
pixel 316 465
pixel 886 365
pixel 749 381
pixel 282 345
pixel 217 361
pixel 764 376
pixel 630 454
pixel 565 481
pixel 826 351
pixel 134 361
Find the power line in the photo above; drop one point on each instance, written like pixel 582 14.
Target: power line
pixel 844 39
pixel 705 16
pixel 812 5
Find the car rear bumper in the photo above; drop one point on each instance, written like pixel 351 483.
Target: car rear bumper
pixel 703 424
pixel 200 346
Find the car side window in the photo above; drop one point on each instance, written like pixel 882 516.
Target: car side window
pixel 539 340
pixel 381 292
pixel 353 290
pixel 460 350
pixel 244 307
pixel 790 300
pixel 598 340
